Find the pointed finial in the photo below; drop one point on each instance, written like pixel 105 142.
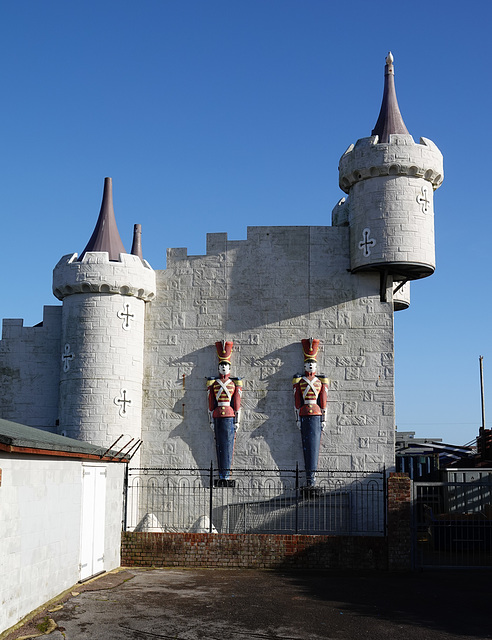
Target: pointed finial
pixel 137 241
pixel 105 236
pixel 389 120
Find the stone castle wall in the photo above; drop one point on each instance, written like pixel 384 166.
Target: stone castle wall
pixel 30 359
pixel 267 293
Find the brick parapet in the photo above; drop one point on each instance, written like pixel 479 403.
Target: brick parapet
pixel 253 551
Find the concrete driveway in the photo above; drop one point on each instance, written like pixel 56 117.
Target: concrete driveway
pixel 192 604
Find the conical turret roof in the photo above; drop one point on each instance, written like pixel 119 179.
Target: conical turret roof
pixel 106 236
pixel 137 241
pixel 390 120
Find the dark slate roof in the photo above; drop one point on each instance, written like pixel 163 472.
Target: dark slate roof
pixel 106 236
pixel 390 119
pixel 13 434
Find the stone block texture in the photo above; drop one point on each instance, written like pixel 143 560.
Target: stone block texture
pixel 102 340
pixel 117 359
pixel 267 293
pixel 390 205
pixel 30 370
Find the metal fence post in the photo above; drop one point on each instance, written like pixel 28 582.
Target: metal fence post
pixel 385 501
pixel 125 498
pixel 297 497
pixel 211 490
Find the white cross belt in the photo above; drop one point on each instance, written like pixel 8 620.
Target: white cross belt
pixel 306 390
pixel 223 388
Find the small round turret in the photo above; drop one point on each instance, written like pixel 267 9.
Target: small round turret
pixel 390 181
pixel 401 295
pixel 104 293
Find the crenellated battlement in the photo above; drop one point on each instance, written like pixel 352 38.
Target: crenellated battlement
pixel 369 158
pixel 95 273
pixel 390 208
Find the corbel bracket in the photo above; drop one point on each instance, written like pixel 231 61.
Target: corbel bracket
pixel 402 283
pixel 383 285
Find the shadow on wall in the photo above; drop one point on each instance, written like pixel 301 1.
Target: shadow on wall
pixel 285 273
pixel 272 419
pixel 191 405
pixel 268 436
pixel 268 428
pixel 282 284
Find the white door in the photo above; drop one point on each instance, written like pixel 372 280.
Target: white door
pixel 93 514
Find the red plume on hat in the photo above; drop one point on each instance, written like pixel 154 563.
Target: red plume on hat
pixel 224 350
pixel 310 347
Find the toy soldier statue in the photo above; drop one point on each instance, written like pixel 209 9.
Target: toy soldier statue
pixel 310 398
pixel 224 411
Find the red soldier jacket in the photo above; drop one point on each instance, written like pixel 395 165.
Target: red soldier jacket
pixel 310 394
pixel 224 396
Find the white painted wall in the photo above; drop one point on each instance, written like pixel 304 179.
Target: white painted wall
pixel 40 519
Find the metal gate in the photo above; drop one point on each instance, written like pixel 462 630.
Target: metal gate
pixel 452 524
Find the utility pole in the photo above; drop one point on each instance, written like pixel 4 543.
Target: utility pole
pixel 482 428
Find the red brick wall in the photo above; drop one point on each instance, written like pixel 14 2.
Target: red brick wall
pixel 253 551
pixel 282 551
pixel 399 521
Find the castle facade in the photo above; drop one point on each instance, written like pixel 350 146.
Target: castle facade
pixel 130 349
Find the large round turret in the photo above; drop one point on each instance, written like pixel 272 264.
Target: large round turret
pixel 390 181
pixel 104 294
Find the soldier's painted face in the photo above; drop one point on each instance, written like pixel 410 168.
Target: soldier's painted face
pixel 310 367
pixel 224 368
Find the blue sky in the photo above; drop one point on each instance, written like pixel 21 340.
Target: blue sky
pixel 215 115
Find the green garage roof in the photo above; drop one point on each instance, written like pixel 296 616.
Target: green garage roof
pixel 13 434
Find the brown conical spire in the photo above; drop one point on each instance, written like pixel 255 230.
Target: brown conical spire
pixel 390 120
pixel 137 241
pixel 106 236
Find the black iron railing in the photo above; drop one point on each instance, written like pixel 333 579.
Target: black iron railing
pixel 452 523
pixel 255 501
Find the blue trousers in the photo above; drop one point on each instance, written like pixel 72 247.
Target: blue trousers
pixel 224 444
pixel 311 437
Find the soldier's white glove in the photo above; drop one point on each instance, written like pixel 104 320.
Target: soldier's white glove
pixel 298 418
pixel 323 421
pixel 237 420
